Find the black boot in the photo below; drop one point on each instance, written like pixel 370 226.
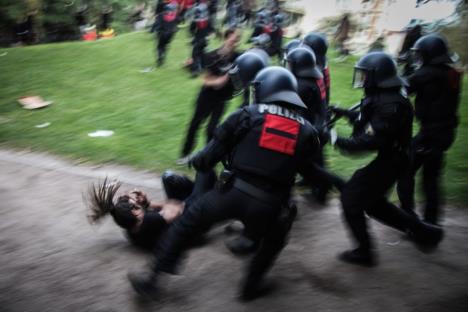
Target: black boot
pixel 144 284
pixel 426 236
pixel 359 256
pixel 253 289
pixel 241 245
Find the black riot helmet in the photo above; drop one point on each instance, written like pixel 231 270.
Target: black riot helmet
pixel 295 43
pixel 276 84
pixel 376 70
pixel 278 20
pixel 301 62
pixel 318 43
pixel 291 45
pixel 246 67
pixel 200 12
pixel 261 19
pixel 432 49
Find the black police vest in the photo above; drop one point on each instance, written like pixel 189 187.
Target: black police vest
pixel 270 150
pixel 396 117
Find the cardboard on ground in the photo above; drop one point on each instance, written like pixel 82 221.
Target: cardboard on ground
pixel 33 102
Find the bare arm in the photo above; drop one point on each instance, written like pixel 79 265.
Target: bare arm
pixel 216 82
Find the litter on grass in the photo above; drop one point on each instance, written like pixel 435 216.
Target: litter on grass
pixel 147 70
pixel 33 102
pixel 43 125
pixel 101 133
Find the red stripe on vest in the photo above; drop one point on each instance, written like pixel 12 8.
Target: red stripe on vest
pixel 169 16
pixel 274 140
pixel 267 29
pixel 323 90
pixel 202 24
pixel 454 79
pixel 326 76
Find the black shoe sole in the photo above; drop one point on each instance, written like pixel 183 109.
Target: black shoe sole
pixel 364 263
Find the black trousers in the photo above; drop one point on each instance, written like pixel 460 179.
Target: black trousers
pixel 204 107
pixel 427 153
pixel 198 50
pixel 164 38
pixel 365 193
pixel 263 219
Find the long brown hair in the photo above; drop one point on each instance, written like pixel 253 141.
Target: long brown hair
pixel 100 201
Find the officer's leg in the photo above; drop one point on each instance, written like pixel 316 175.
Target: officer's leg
pixel 197 54
pixel 272 244
pixel 201 112
pixel 391 215
pixel 432 168
pixel 161 47
pixel 216 114
pixel 406 183
pixel 211 208
pixel 424 235
pixel 204 182
pixel 353 209
pixel 354 204
pixel 164 40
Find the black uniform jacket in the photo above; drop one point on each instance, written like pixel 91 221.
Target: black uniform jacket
pixel 384 124
pixel 313 94
pixel 437 89
pixel 265 145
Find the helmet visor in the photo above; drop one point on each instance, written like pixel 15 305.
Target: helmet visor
pixel 359 77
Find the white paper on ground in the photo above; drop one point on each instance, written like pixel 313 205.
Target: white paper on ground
pixel 101 133
pixel 45 124
pixel 146 70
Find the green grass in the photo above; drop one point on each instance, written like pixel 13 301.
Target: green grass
pixel 97 85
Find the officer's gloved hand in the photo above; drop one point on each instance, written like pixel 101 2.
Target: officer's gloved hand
pixel 190 161
pixel 328 135
pixel 324 135
pixel 338 112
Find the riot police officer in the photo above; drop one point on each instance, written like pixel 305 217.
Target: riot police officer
pixel 288 47
pixel 311 88
pixel 318 43
pixel 200 28
pixel 383 124
pixel 166 26
pixel 244 70
pixel 265 145
pixel 437 87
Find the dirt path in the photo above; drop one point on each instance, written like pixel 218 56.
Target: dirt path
pixel 53 260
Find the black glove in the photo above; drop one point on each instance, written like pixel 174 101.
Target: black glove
pixel 338 112
pixel 324 135
pixel 190 162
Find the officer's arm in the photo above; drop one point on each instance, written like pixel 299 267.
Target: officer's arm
pixel 313 172
pixel 376 134
pixel 416 80
pixel 225 137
